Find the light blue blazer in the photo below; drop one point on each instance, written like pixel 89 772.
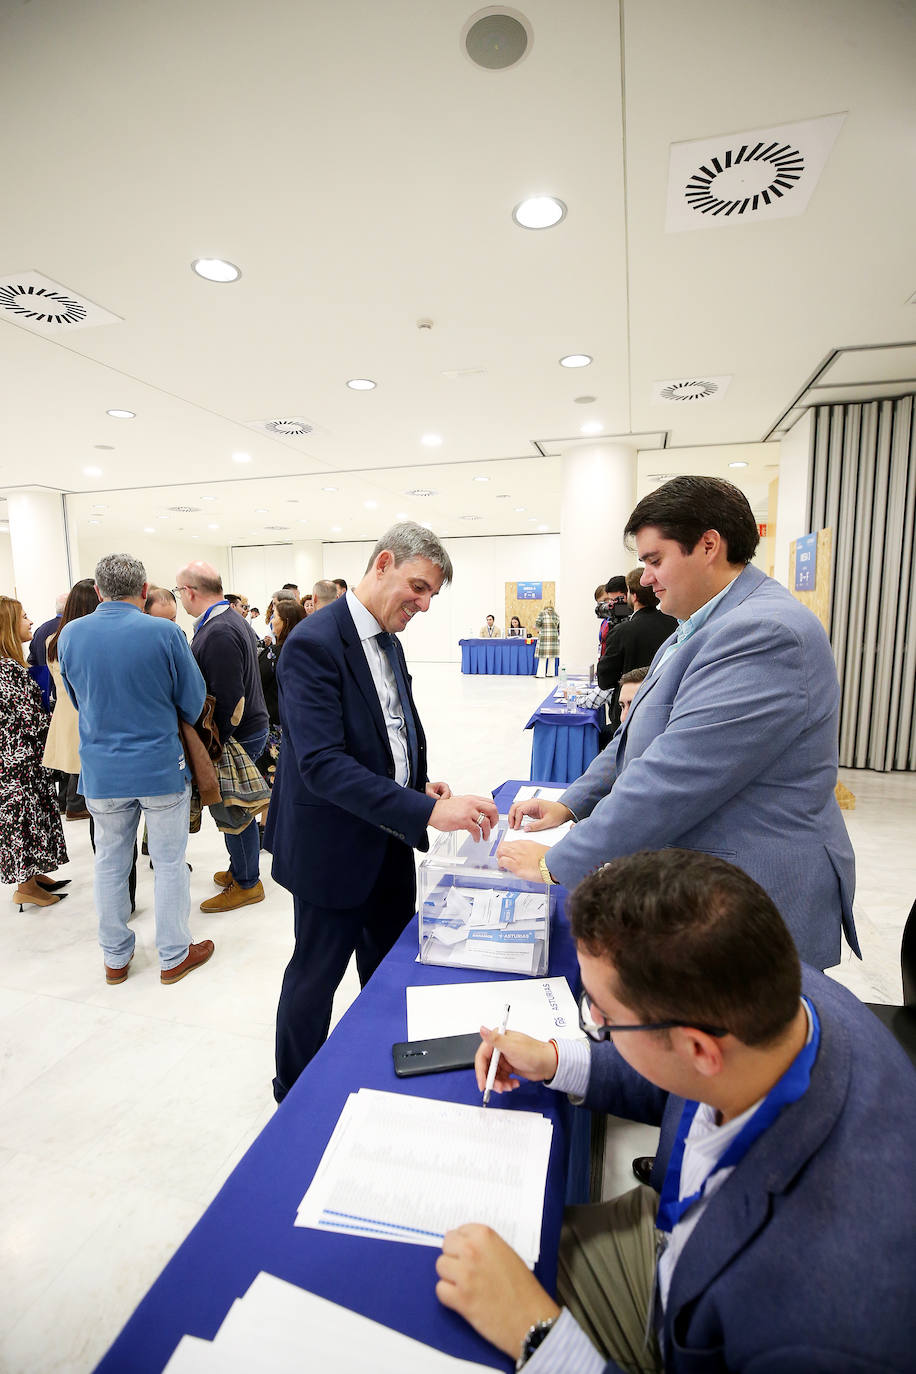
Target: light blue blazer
pixel 731 748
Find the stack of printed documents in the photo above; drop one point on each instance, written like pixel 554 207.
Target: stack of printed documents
pixel 281 1328
pixel 476 1165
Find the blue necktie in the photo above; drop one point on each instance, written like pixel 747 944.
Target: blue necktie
pixel 390 645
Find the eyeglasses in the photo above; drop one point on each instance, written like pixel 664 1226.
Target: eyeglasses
pixel 178 590
pixel 605 1031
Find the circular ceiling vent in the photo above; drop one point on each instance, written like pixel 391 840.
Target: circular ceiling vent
pixel 660 476
pixel 421 491
pixel 740 181
pixel 293 429
pixel 276 527
pixel 688 391
pixel 470 517
pixel 184 510
pixel 41 304
pixel 496 38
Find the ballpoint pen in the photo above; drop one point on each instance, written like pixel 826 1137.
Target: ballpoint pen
pixel 494 1060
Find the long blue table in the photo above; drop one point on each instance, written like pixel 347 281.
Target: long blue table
pixel 512 656
pixel 249 1225
pixel 563 742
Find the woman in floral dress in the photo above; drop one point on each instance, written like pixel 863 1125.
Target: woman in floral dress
pixel 31 835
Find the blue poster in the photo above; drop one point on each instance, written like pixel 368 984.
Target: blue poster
pixel 806 563
pixel 529 591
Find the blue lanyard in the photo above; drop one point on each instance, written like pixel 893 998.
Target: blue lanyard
pixel 789 1088
pixel 206 615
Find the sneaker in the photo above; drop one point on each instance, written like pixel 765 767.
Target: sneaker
pixel 234 896
pixel 197 955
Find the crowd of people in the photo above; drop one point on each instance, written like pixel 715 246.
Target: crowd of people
pixel 711 882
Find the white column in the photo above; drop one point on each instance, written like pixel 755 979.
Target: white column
pixel 41 555
pixel 307 564
pixel 599 493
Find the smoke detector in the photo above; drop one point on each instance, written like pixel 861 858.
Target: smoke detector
pixel 691 389
pixel 754 175
pixel 43 306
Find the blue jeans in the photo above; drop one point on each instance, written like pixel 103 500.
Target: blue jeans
pixel 116 820
pixel 245 848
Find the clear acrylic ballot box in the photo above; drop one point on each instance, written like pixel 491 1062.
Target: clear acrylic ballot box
pixel 474 914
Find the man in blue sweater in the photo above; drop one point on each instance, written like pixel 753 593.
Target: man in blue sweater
pixel 131 676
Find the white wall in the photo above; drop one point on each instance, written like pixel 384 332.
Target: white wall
pixel 482 569
pixel 7 582
pixel 792 505
pixel 162 559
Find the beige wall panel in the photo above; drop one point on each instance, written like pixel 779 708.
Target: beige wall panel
pixel 527 611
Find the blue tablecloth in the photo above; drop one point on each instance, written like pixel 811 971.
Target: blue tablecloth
pixel 249 1226
pixel 514 656
pixel 564 742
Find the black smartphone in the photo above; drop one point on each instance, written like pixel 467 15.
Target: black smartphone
pixel 413 1057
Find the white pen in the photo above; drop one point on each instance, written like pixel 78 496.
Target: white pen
pixel 494 1061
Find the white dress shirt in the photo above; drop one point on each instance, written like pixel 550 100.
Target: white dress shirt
pixel 367 627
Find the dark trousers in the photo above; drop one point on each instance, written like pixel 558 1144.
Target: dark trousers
pixel 326 937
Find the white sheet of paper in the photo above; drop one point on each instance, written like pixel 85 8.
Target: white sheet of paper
pixel 411 1168
pixel 529 791
pixel 279 1327
pixel 543 1007
pixel 548 837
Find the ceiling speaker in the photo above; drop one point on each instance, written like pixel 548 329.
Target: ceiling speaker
pixel 496 38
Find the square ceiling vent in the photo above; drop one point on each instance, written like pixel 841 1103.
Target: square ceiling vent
pixel 755 175
pixel 44 306
pixel 690 390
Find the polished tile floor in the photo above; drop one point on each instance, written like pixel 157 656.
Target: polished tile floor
pixel 123 1109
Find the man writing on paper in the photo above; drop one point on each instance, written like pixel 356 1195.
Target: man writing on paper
pixel 730 746
pixel 351 799
pixel 786 1185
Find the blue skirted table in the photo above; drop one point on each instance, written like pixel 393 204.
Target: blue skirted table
pixel 564 742
pixel 511 656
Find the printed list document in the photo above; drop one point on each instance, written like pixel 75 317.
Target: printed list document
pixel 543 1007
pixel 476 1164
pixel 278 1327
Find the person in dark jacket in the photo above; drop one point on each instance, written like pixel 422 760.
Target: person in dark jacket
pixel 287 614
pixel 633 643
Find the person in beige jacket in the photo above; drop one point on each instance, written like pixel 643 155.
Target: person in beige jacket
pixel 62 750
pixel 490 630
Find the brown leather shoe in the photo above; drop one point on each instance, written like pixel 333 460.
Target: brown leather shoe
pixel 234 896
pixel 76 816
pixel 197 955
pixel 223 878
pixel 117 975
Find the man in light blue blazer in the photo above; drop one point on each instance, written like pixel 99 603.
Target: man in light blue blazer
pixel 730 745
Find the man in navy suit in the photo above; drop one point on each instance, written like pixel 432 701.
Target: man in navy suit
pixel 352 800
pixel 786 1159
pixel 730 745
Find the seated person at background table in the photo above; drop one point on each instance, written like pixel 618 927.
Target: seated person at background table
pixel 490 630
pixel 785 1222
pixel 731 744
pixel 352 799
pixel 516 629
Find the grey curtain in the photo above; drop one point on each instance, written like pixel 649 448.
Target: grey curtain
pixel 863 485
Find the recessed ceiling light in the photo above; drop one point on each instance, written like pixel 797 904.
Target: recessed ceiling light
pixel 97 505
pixel 539 212
pixel 213 527
pixel 162 517
pixel 361 384
pixel 575 360
pixel 92 472
pixel 739 464
pixel 543 527
pixel 591 427
pixel 481 479
pixel 303 522
pixel 519 509
pixel 370 505
pixel 94 522
pixel 241 457
pixel 262 510
pixel 122 414
pixel 148 529
pixel 431 440
pixel 216 269
pixel 335 529
pixel 402 515
pixel 329 488
pixel 207 498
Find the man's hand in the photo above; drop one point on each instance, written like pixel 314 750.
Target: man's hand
pixel 476 815
pixel 483 1279
pixel 438 789
pixel 521 857
pixel 544 815
pixel 520 1056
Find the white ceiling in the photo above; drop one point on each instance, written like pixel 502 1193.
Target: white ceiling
pixel 362 172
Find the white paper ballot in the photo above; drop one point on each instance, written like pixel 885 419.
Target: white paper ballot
pixel 279 1327
pixel 529 792
pixel 544 1008
pixel 376 1178
pixel 548 837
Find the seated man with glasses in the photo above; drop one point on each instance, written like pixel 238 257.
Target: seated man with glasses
pixel 783 1238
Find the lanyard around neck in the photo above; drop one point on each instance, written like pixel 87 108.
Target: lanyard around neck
pixel 789 1088
pixel 207 613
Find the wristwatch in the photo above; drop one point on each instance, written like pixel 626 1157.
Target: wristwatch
pixel 545 871
pixel 535 1336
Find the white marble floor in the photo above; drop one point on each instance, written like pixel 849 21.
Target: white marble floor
pixel 123 1109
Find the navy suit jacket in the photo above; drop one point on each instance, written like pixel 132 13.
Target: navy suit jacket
pixel 731 749
pixel 803 1261
pixel 335 802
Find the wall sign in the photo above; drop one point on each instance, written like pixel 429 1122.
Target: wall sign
pixel 529 591
pixel 806 563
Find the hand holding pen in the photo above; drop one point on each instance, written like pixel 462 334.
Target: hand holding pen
pixel 517 1056
pixel 495 1058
